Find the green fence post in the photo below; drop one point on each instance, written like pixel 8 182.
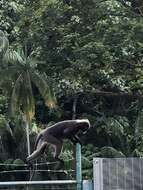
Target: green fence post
pixel 78 167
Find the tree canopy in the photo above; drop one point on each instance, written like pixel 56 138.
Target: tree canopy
pixel 91 52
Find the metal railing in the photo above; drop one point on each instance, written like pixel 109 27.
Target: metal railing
pixel 118 173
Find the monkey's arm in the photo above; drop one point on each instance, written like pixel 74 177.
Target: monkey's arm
pixel 72 140
pixel 75 139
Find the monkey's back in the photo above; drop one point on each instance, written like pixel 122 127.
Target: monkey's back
pixel 57 130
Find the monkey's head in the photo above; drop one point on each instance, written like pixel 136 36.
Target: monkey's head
pixel 83 125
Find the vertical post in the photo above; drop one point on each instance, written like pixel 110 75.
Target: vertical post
pixel 27 136
pixel 98 173
pixel 87 185
pixel 78 167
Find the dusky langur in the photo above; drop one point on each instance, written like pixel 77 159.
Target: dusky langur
pixel 55 134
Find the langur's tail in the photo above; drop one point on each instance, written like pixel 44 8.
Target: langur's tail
pixel 37 140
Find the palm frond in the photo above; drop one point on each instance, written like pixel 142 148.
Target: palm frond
pixel 44 89
pixel 15 98
pixel 32 62
pixel 21 53
pixel 22 96
pixel 4 44
pixel 9 72
pixel 7 78
pixel 27 102
pixel 13 57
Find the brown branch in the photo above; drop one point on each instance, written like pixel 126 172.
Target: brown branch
pixel 117 94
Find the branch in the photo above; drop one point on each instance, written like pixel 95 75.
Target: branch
pixel 110 94
pixel 117 94
pixel 131 9
pixel 124 3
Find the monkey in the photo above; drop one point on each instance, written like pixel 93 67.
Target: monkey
pixel 55 134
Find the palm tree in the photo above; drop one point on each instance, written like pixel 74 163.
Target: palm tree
pixel 4 44
pixel 23 69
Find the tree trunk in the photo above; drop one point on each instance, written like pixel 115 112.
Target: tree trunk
pixel 28 139
pixel 74 108
pixel 74 147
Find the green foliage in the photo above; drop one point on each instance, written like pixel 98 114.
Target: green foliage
pixel 138 125
pixel 22 94
pixel 90 47
pixel 89 50
pixel 18 164
pixel 10 11
pixel 7 164
pixel 110 152
pixel 67 156
pixel 4 44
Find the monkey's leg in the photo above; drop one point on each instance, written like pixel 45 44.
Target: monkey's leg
pixel 58 149
pixel 37 152
pixel 42 146
pixel 57 144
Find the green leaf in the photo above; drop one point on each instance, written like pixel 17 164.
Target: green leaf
pixel 4 44
pixel 16 95
pixel 44 89
pixel 13 57
pixel 28 100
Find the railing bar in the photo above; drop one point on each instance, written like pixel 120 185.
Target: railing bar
pixel 11 183
pixel 117 170
pixel 56 171
pixel 140 167
pixel 34 164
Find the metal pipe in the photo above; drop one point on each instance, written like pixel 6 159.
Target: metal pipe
pixel 11 183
